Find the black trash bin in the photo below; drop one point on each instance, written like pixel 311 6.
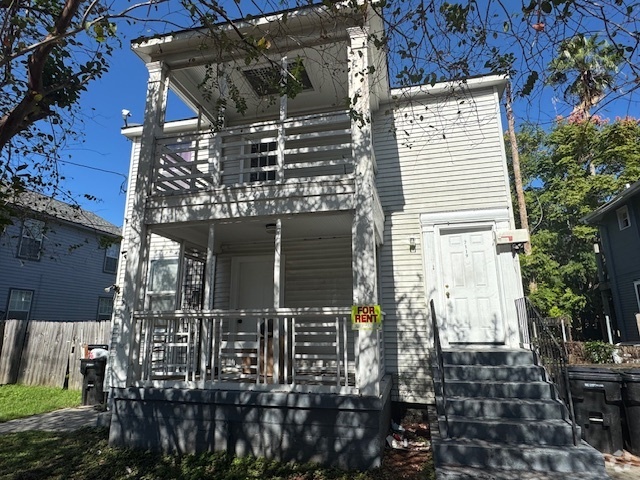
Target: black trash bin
pixel 93 370
pixel 631 401
pixel 597 403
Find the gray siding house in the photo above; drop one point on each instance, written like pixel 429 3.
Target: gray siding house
pixel 618 222
pixel 57 262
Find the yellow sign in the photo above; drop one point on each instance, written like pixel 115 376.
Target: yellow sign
pixel 366 317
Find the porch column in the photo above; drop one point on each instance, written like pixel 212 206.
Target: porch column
pixel 277 269
pixel 210 269
pixel 136 237
pixel 363 241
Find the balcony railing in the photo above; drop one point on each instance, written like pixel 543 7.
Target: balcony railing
pixel 316 147
pixel 283 349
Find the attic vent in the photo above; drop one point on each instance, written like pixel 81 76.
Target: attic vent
pixel 266 80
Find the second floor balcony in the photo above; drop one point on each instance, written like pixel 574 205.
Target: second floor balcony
pixel 312 148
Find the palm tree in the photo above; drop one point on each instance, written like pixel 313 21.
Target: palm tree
pixel 588 66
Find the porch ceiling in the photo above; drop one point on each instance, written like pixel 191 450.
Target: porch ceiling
pixel 326 66
pixel 254 230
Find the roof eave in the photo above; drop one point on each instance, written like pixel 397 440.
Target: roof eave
pixel 595 217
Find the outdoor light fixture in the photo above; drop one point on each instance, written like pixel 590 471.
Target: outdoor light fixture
pixel 125 114
pixel 412 244
pixel 271 228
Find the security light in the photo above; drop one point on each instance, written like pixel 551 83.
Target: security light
pixel 125 114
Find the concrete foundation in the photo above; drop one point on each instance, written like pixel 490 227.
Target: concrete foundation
pixel 338 430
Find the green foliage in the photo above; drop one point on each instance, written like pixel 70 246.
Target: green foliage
pixel 17 401
pixel 570 171
pixel 599 352
pixel 587 66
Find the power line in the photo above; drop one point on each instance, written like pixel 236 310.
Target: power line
pixel 93 168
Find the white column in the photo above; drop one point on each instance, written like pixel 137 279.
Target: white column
pixel 283 117
pixel 363 242
pixel 277 275
pixel 210 269
pixel 137 241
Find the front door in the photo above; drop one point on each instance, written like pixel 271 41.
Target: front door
pixel 470 286
pixel 252 289
pixel 253 285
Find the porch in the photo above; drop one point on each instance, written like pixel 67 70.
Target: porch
pixel 286 350
pixel 298 149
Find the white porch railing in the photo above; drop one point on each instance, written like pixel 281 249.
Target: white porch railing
pixel 283 349
pixel 315 147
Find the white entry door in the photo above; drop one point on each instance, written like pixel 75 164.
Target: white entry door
pixel 470 287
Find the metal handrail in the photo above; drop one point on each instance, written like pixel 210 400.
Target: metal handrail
pixel 549 351
pixel 440 360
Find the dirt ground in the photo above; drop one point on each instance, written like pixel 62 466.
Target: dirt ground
pixel 623 467
pixel 413 462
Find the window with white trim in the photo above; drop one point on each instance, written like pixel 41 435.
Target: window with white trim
pixel 111 258
pixel 105 308
pixel 19 306
pixel 31 239
pixel 163 283
pixel 624 221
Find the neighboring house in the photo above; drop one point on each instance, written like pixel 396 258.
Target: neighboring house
pixel 247 245
pixel 58 262
pixel 618 222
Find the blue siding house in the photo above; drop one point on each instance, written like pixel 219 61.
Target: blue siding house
pixel 619 224
pixel 57 261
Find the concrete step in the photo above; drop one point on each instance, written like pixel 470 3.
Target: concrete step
pixel 481 373
pixel 502 431
pixel 488 357
pixel 522 390
pixel 468 473
pixel 517 458
pixel 473 407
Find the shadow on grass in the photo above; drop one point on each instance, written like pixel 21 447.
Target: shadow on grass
pixel 85 454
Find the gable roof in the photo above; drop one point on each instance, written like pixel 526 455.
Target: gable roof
pixel 52 207
pixel 596 216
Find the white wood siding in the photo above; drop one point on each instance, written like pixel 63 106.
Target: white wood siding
pixel 317 272
pixel 434 154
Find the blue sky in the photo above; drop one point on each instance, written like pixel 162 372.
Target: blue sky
pixel 105 153
pixel 105 148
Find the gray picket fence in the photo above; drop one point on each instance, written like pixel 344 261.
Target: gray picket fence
pixel 47 353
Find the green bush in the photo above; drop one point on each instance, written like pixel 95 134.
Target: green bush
pixel 599 352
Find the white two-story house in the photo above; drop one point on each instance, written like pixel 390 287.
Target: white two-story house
pixel 249 237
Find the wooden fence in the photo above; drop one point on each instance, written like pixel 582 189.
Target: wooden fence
pixel 47 353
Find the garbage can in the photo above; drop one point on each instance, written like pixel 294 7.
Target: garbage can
pixel 92 370
pixel 597 403
pixel 631 402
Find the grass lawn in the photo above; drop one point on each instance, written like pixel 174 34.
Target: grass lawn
pixel 17 401
pixel 84 454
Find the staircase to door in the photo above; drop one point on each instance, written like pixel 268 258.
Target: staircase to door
pixel 501 419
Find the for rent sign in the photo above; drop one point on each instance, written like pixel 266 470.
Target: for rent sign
pixel 366 317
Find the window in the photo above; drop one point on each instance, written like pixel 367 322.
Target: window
pixel 111 258
pixel 163 282
pixel 624 221
pixel 19 304
pixel 267 158
pixel 31 239
pixel 105 308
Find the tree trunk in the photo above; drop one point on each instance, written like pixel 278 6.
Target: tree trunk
pixel 515 160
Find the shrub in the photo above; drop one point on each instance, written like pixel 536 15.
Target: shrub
pixel 599 352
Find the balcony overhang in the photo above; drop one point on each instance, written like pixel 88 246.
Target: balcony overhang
pixel 316 34
pixel 254 230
